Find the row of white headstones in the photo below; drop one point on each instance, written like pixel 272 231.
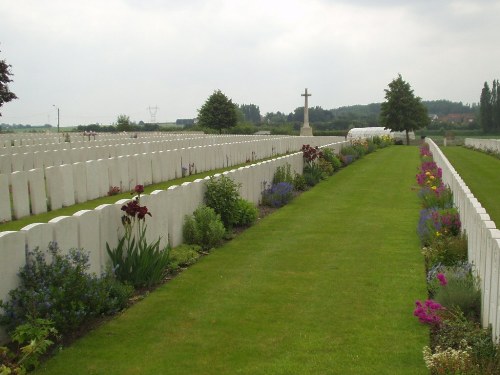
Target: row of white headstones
pixel 93 229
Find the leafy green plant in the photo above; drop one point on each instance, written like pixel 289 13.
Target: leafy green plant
pixel 299 182
pixel 60 290
pixel 222 195
pixel 329 156
pixel 456 327
pixel 446 250
pixel 204 228
pixel 34 339
pixel 134 260
pixel 326 167
pixel 461 290
pixel 312 174
pixel 183 256
pixel 283 173
pixel 245 213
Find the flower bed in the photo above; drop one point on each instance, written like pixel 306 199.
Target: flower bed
pixel 459 345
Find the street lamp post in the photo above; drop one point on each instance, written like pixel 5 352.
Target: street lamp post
pixel 57 116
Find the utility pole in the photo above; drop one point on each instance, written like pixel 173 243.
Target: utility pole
pixel 57 116
pixel 152 112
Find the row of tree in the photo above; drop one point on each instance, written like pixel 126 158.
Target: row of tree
pixel 489 107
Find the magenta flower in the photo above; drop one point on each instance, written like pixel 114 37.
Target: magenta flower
pixel 442 279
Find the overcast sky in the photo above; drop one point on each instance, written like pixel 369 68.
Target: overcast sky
pixel 98 59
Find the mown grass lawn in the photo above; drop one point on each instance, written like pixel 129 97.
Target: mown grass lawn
pixel 481 173
pixel 325 285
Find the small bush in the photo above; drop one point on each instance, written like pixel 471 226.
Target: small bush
pixel 277 195
pixel 436 197
pixel 245 214
pixel 330 157
pixel 183 256
pixel 283 174
pixel 60 290
pixel 312 174
pixel 326 167
pixel 446 250
pixel 461 290
pixel 456 327
pixel 222 195
pixel 299 182
pixel 204 228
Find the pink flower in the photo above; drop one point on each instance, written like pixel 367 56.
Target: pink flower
pixel 442 279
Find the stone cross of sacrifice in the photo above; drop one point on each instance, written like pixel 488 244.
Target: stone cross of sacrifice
pixel 306 110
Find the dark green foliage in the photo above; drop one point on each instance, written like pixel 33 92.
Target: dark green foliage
pixel 251 113
pixel 137 262
pixel 183 256
pixel 299 182
pixel 222 195
pixel 204 228
pixel 402 111
pixel 218 112
pixel 489 107
pixel 5 94
pixel 245 214
pixel 312 174
pixel 61 291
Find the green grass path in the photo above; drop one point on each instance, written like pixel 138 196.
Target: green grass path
pixel 325 285
pixel 481 173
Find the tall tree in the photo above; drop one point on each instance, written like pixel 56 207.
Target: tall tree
pixel 495 105
pixel 251 113
pixel 402 110
pixel 123 123
pixel 5 94
pixel 218 112
pixel 486 109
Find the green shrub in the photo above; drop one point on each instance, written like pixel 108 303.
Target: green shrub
pixel 330 157
pixel 461 291
pixel 222 195
pixel 183 256
pixel 245 214
pixel 60 290
pixel 283 174
pixel 446 250
pixel 299 182
pixel 204 228
pixel 312 174
pixel 456 327
pixel 326 167
pixel 34 339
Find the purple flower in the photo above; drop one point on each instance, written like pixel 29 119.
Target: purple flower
pixel 442 279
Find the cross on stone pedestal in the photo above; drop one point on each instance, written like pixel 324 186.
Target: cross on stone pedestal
pixel 306 129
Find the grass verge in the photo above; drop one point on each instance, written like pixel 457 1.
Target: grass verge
pixel 480 172
pixel 325 285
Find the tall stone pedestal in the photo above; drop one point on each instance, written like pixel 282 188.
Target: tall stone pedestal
pixel 306 131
